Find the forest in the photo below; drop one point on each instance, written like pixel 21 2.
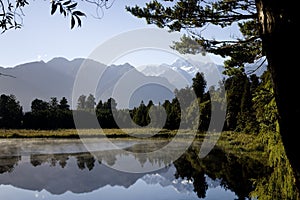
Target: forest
pixel 249 98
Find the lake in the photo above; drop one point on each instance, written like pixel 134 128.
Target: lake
pixel 65 169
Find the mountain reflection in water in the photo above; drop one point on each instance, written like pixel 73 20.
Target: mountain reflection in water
pixel 77 174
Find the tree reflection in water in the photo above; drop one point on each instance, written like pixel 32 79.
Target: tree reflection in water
pixel 7 164
pixel 235 173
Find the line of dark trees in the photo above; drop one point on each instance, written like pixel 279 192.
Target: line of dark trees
pixel 249 99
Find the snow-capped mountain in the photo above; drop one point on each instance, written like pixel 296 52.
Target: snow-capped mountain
pixel 167 178
pixel 181 72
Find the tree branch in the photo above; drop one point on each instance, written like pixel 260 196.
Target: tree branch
pixel 258 67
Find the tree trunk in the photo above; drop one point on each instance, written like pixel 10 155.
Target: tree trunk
pixel 278 23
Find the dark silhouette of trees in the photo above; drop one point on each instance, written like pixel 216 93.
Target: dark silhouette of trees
pixel 199 85
pixel 238 100
pixel 104 112
pixel 140 116
pixel 39 105
pixel 53 103
pixel 64 114
pixel 49 115
pixel 245 111
pixel 63 104
pixel 10 112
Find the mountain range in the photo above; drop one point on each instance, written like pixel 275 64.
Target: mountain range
pixel 182 71
pixel 58 180
pixel 56 77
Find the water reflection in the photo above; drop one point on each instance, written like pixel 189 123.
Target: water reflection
pixel 80 174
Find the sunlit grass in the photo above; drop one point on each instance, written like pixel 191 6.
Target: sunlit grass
pixel 22 133
pixel 241 144
pixel 76 133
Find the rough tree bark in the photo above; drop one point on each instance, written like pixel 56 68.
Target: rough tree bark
pixel 279 23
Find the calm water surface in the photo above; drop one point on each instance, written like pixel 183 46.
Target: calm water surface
pixel 64 169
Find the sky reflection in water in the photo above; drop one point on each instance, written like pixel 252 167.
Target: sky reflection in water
pixel 79 175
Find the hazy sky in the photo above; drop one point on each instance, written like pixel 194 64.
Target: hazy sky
pixel 44 37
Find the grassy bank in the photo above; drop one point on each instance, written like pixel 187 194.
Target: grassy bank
pixel 110 133
pixel 232 141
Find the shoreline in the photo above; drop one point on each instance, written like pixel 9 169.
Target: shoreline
pixel 89 133
pixel 241 144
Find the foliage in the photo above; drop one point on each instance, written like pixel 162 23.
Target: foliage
pixel 81 102
pixel 251 105
pixel 240 112
pixel 104 113
pixel 10 112
pixel 90 103
pixel 63 104
pixel 67 8
pixel 262 24
pixel 265 105
pixel 280 184
pixel 11 12
pixel 181 111
pixel 141 116
pixel 192 15
pixel 199 85
pixel 48 115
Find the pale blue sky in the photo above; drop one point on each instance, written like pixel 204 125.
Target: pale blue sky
pixel 44 37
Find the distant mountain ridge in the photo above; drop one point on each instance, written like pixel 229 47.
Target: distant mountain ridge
pixel 99 177
pixel 56 77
